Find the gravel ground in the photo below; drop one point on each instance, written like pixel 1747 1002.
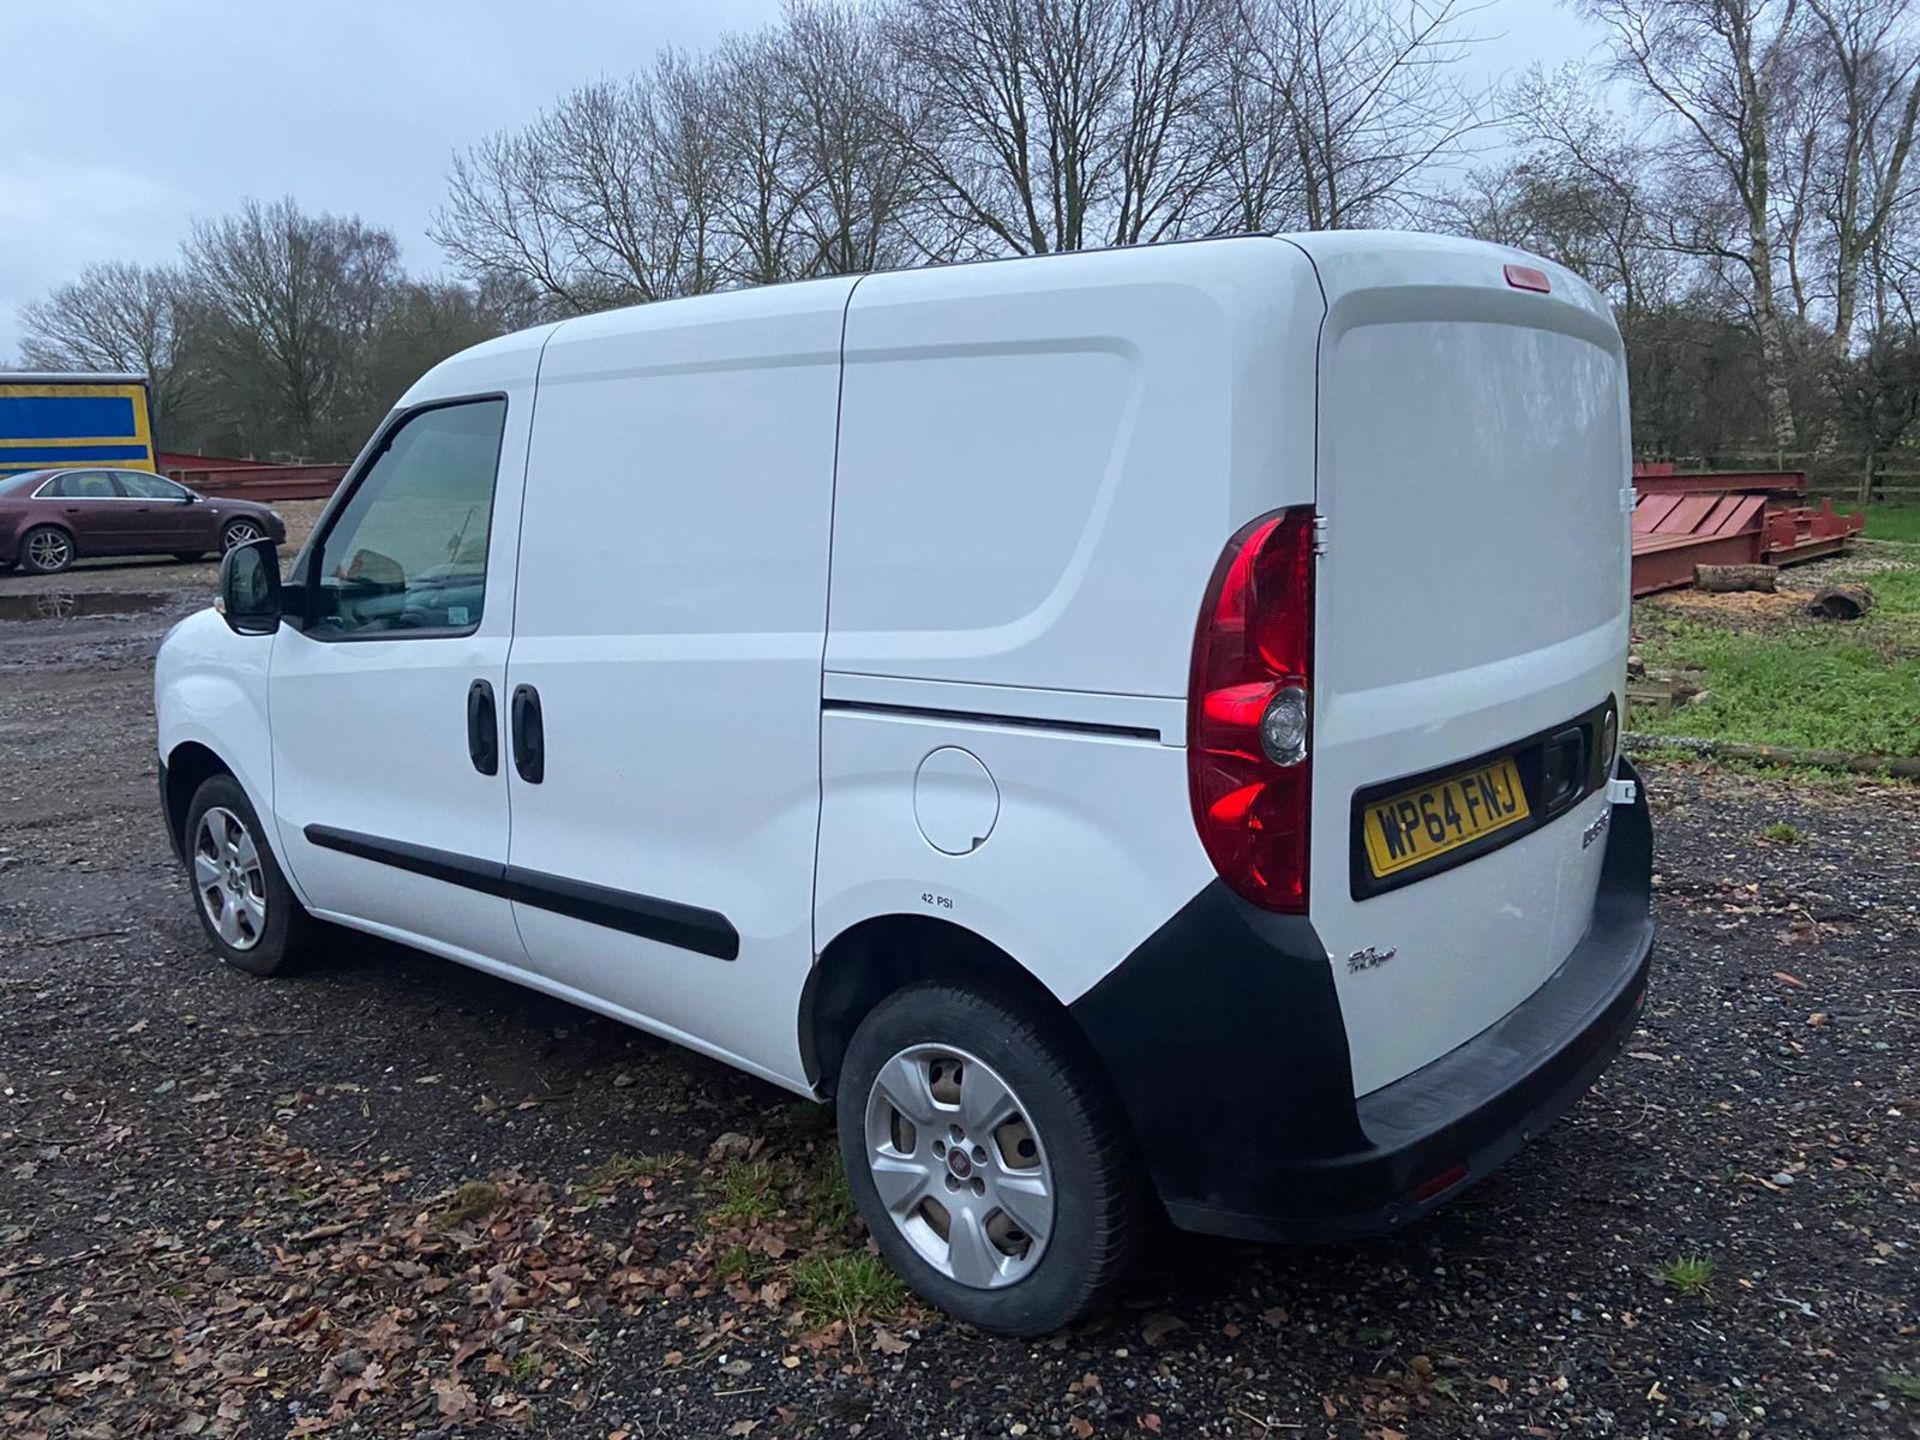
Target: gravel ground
pixel 394 1197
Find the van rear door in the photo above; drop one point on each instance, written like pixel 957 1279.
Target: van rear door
pixel 1471 626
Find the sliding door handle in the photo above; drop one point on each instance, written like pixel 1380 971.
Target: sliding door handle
pixel 483 728
pixel 529 735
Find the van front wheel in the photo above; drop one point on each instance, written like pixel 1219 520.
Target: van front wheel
pixel 987 1158
pixel 245 904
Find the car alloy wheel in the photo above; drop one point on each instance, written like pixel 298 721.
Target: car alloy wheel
pixel 228 878
pixel 959 1166
pixel 49 550
pixel 241 532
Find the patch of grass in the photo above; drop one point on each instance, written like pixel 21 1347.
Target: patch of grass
pixel 525 1367
pixel 1690 1274
pixel 1891 522
pixel 854 1286
pixel 474 1200
pixel 1657 754
pixel 1857 692
pixel 1896 593
pixel 1805 777
pixel 618 1169
pixel 749 1193
pixel 824 1194
pixel 739 1262
pixel 1781 833
pixel 1907 1387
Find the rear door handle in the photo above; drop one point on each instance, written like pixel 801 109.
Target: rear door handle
pixel 483 728
pixel 529 735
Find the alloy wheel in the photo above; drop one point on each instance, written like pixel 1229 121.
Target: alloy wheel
pixel 241 532
pixel 49 550
pixel 959 1166
pixel 228 878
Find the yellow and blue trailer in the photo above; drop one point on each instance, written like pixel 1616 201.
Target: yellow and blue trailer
pixel 60 420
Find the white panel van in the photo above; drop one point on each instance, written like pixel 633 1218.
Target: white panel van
pixel 1136 730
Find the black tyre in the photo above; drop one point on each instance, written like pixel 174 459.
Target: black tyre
pixel 244 902
pixel 985 1151
pixel 240 532
pixel 46 550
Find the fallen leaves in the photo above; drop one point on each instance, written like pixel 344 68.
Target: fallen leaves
pixel 1160 1327
pixel 377 1315
pixel 455 1401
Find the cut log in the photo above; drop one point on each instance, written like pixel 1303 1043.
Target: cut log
pixel 1722 579
pixel 1842 602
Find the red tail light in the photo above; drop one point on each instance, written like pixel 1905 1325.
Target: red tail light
pixel 1249 766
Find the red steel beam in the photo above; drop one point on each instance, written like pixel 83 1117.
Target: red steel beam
pixel 1793 481
pixel 1665 562
pixel 265 482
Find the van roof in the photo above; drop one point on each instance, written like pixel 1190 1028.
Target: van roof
pixel 1341 256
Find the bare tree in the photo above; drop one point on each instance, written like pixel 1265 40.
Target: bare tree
pixel 1260 184
pixel 1714 68
pixel 862 188
pixel 115 316
pixel 765 182
pixel 1576 187
pixel 1367 93
pixel 284 302
pixel 1870 58
pixel 1047 125
pixel 609 198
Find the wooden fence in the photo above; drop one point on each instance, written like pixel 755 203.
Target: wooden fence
pixel 1835 475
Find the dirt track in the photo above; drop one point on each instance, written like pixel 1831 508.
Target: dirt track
pixel 227 1205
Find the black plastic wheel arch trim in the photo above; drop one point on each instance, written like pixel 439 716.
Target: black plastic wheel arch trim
pixel 687 927
pixel 173 821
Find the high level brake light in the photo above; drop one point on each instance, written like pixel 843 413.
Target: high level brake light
pixel 1250 712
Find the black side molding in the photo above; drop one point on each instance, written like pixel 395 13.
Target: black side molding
pixel 489 877
pixel 983 717
pixel 687 927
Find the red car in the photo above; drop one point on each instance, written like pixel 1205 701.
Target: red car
pixel 50 518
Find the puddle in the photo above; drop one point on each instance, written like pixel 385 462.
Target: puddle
pixel 74 605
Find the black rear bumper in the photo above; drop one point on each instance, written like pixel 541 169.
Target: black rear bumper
pixel 1224 1039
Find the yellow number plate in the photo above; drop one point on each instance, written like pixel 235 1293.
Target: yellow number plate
pixel 1412 827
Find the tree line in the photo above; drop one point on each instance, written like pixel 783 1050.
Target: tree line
pixel 1734 174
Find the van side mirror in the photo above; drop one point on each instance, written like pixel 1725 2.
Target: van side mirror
pixel 250 588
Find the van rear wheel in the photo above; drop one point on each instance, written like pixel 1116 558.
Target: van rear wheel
pixel 988 1159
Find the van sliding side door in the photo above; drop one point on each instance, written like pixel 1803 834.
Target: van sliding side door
pixel 663 689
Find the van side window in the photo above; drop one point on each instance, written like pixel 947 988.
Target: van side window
pixel 408 552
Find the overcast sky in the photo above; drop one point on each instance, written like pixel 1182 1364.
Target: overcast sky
pixel 125 120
